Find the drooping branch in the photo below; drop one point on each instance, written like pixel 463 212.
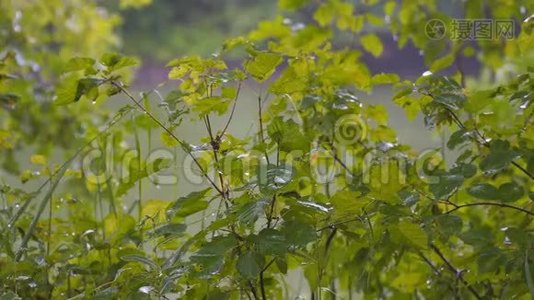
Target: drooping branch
pixel 504 205
pixel 455 271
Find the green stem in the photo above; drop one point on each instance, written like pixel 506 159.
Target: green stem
pixel 50 213
pixel 37 216
pixel 140 182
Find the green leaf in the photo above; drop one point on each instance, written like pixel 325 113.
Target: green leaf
pixel 324 15
pixel 262 65
pixel 66 90
pixel 170 230
pixel 483 191
pixel 271 242
pixel 414 234
pixel 479 237
pixel 299 234
pixel 449 224
pixel 188 205
pixel 79 63
pixel 116 61
pixel 288 83
pixel 251 211
pixel 499 158
pixel 446 185
pixel 467 170
pixel 385 78
pixel 208 105
pixel 348 203
pixel 442 63
pixel 288 135
pixel 510 192
pixel 250 264
pixel 458 138
pixel 87 87
pixel 211 255
pixel 372 44
pixel 451 101
pixel 281 263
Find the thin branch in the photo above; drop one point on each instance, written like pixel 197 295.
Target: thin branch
pixel 433 267
pixel 430 264
pixel 455 271
pixel 180 142
pixel 504 205
pixel 262 137
pixel 268 265
pixel 232 112
pixel 483 141
pixel 262 287
pixel 334 225
pixel 253 290
pixel 215 147
pixel 273 201
pixel 27 203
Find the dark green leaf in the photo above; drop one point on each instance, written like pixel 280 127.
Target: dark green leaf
pixel 170 230
pixel 271 242
pixel 483 191
pixel 457 138
pixel 250 264
pixel 510 192
pixel 451 101
pixel 188 205
pixel 446 185
pixel 449 224
pixel 211 255
pixel 298 234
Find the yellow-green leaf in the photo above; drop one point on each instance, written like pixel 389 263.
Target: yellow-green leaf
pixel 372 44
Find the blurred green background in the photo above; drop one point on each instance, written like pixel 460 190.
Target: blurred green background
pixel 167 29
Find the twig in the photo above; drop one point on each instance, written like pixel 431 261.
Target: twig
pixel 459 206
pixel 483 141
pixel 456 272
pixel 232 112
pixel 180 142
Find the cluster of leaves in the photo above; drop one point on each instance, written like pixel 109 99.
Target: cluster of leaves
pixel 322 190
